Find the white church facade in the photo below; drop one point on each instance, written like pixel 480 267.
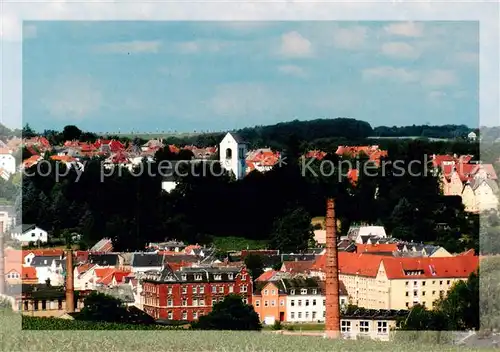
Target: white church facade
pixel 232 157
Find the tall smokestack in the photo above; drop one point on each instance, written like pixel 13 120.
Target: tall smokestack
pixel 70 288
pixel 332 323
pixel 2 260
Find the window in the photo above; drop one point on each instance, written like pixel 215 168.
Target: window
pixel 382 327
pixel 292 292
pixel 214 301
pixel 202 302
pixel 299 302
pixel 406 283
pixel 433 282
pixel 314 302
pixel 184 315
pixel 324 302
pixel 231 288
pixel 303 291
pixel 307 302
pixel 406 293
pixel 44 305
pixel 195 289
pixel 230 276
pixel 440 282
pixel 266 303
pixel 257 303
pixel 273 303
pixel 170 290
pixel 292 315
pixel 448 282
pixel 307 315
pixel 218 277
pixel 243 277
pixel 345 326
pixel 282 302
pixel 170 303
pixel 415 293
pixel 314 292
pixel 423 293
pixel 195 302
pixel 184 277
pixel 273 292
pixel 433 293
pixel 184 302
pixel 184 290
pixel 221 289
pixel 407 304
pixel 195 315
pixel 423 283
pixel 245 300
pixel 243 288
pixel 197 277
pixel 324 314
pixel 266 292
pixel 299 315
pixel 364 326
pixel 314 315
pixel 415 283
pixel 202 289
pixel 170 315
pixel 214 289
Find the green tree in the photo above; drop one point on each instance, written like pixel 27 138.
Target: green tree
pixel 28 132
pixel 71 132
pixel 402 219
pixel 101 307
pixel 292 231
pixel 255 265
pixel 230 314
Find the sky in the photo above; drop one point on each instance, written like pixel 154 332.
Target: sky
pixel 121 76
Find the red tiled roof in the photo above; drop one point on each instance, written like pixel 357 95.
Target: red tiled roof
pixel 266 275
pixel 383 247
pixel 353 175
pixel 84 268
pixel 43 252
pixel 368 265
pixel 297 267
pixel 317 154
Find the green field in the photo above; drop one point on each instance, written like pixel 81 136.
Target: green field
pixel 14 339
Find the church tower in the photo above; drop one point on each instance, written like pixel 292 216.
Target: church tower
pixel 233 151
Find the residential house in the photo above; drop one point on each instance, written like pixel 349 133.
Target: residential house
pixel 480 194
pixel 188 293
pixel 7 161
pixel 49 268
pixel 472 136
pixel 387 282
pixel 375 324
pixel 84 276
pixel 29 254
pixel 7 217
pixel 16 274
pixel 27 233
pixel 142 262
pixel 262 160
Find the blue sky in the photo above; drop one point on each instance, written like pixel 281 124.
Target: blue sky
pixel 185 76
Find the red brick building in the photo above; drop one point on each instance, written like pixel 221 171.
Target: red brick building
pixel 190 292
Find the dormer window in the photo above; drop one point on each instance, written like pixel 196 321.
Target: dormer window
pixel 303 291
pixel 184 277
pixel 314 292
pixel 197 277
pixel 292 292
pixel 230 276
pixel 217 277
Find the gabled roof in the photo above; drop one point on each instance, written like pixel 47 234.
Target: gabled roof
pixel 147 260
pixel 103 259
pixel 237 138
pixel 43 261
pixel 23 228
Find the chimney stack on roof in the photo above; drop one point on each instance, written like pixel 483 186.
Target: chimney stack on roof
pixel 332 322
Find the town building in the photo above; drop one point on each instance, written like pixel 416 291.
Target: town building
pixel 7 217
pixel 7 161
pixel 27 233
pixel 375 324
pixel 189 292
pixel 233 151
pixel 386 282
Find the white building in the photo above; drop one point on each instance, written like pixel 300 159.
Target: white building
pixel 472 136
pixel 7 217
pixel 359 234
pixel 233 153
pixel 51 268
pixel 29 233
pixel 7 161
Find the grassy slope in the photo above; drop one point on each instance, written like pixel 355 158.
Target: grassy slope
pixel 237 243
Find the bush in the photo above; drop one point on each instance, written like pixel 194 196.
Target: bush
pixel 277 325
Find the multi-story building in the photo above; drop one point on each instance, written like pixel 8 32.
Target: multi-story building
pixel 383 282
pixel 292 299
pixel 190 292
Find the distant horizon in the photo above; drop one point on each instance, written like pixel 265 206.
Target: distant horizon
pixel 190 76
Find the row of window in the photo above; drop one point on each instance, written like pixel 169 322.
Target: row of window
pixel 415 293
pixel 266 303
pixel 198 289
pixel 303 291
pixel 306 315
pixel 415 283
pixel 299 302
pixel 200 302
pixel 364 326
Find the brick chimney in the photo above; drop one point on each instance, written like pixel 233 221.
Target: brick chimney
pixel 332 322
pixel 70 288
pixel 2 260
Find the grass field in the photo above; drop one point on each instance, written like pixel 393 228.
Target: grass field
pixel 12 338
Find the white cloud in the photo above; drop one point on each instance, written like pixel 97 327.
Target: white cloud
pixel 350 38
pixel 391 73
pixel 72 98
pixel 293 44
pixel 132 47
pixel 405 29
pixel 292 70
pixel 468 57
pixel 400 50
pixel 440 78
pixel 29 32
pixel 433 78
